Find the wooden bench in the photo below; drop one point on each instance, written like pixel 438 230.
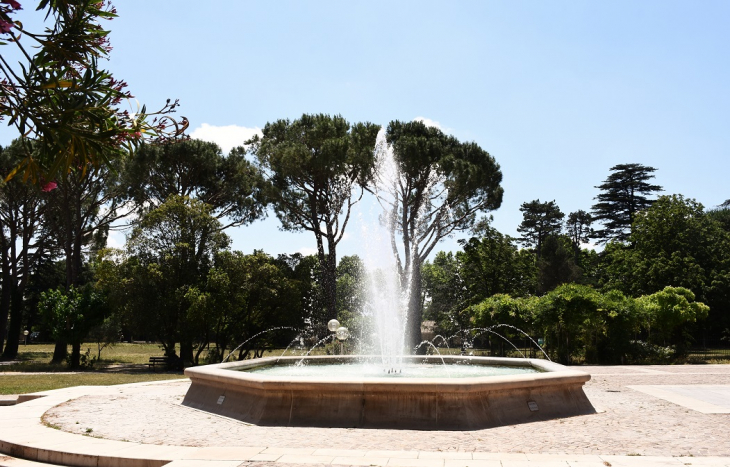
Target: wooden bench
pixel 157 360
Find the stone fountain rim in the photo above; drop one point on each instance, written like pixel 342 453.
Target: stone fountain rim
pixel 550 373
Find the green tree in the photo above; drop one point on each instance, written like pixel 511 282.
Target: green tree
pixel 24 242
pixel 71 314
pixel 351 294
pixel 569 316
pixel 492 264
pixel 231 185
pixel 539 221
pixel 79 213
pixel 62 99
pixel 614 341
pixel 668 311
pixel 721 214
pixel 447 295
pixel 439 186
pixel 248 295
pixel 675 244
pixel 106 334
pixel 557 263
pixel 493 316
pixel 317 166
pixel 171 252
pixel 578 229
pixel 623 194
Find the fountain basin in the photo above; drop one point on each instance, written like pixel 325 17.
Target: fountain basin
pixel 408 403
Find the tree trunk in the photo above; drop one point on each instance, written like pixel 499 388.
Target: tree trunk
pixel 60 351
pixel 330 280
pixel 75 355
pixel 413 325
pixel 14 328
pixel 4 294
pixel 186 352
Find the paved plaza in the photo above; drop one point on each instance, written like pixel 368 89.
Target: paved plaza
pixel 647 416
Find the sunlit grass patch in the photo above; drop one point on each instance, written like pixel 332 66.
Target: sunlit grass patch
pixel 27 383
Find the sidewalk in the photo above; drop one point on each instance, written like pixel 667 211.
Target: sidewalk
pixel 651 416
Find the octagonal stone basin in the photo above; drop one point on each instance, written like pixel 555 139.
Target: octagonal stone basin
pixel 380 402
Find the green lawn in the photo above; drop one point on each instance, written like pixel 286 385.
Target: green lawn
pixel 120 364
pixel 36 357
pixel 29 382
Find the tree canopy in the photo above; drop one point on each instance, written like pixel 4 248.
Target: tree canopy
pixel 439 186
pixel 231 185
pixel 317 166
pixel 539 221
pixel 624 193
pixel 60 97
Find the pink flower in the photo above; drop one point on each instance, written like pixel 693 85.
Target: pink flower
pixel 5 26
pixel 13 4
pixel 50 186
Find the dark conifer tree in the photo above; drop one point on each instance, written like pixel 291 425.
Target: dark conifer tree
pixel 539 220
pixel 624 193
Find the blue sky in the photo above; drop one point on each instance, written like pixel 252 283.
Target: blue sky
pixel 557 91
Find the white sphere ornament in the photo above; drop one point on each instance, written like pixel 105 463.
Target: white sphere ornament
pixel 333 325
pixel 342 333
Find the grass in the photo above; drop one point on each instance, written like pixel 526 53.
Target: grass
pixel 27 383
pixel 121 364
pixel 36 357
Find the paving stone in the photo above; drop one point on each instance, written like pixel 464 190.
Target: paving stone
pixel 652 430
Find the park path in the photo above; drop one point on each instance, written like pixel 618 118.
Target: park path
pixel 631 422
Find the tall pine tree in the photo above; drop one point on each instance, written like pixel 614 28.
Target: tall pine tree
pixel 539 220
pixel 623 194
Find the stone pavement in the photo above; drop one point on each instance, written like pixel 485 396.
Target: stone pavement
pixel 649 416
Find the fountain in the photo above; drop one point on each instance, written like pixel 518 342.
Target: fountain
pixel 388 389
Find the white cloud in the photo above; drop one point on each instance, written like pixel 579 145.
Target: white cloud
pixel 227 137
pixel 115 239
pixel 306 251
pixel 589 246
pixel 428 122
pixel 433 123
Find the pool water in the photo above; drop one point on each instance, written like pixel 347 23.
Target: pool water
pixel 377 370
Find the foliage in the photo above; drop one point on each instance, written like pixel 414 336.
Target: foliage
pixel 569 317
pixel 557 263
pixel 539 221
pixel 447 292
pixel 616 342
pixel 315 164
pixel 246 296
pixel 674 244
pixel 61 98
pixel 351 291
pixel 493 317
pixel 231 185
pixel 170 253
pixel 721 215
pixel 24 242
pixel 578 227
pixel 106 334
pixel 443 184
pixel 493 264
pixel 623 194
pixel 70 316
pixel 668 311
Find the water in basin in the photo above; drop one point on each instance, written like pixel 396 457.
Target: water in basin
pixel 376 370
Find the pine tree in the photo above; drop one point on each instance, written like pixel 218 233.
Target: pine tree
pixel 539 220
pixel 623 194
